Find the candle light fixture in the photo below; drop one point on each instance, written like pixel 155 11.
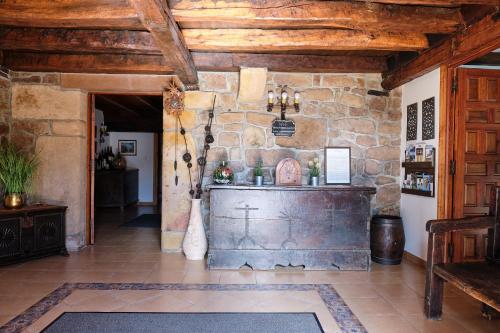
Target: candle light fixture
pixel 283 101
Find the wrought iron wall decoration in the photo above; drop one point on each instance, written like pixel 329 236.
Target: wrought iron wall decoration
pixel 428 111
pixel 283 127
pixel 411 121
pixel 202 161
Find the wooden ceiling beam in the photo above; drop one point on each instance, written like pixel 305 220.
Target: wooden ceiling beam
pixel 289 63
pixel 437 3
pixel 480 38
pixel 94 14
pixel 156 17
pixel 278 14
pixel 263 41
pixel 77 41
pixel 87 63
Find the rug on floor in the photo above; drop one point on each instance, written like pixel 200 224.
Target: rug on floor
pixel 338 309
pixel 144 221
pixel 187 322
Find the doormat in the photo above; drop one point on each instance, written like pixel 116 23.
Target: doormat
pixel 186 322
pixel 337 308
pixel 144 221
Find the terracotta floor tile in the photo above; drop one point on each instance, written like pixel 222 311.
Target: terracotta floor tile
pixel 236 277
pixel 370 306
pixel 387 324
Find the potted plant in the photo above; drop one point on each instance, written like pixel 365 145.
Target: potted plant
pixel 314 171
pixel 223 174
pixel 16 173
pixel 259 174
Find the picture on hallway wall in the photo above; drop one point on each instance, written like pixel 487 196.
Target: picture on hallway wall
pixel 428 107
pixel 127 147
pixel 411 122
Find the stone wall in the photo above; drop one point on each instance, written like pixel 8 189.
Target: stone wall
pixel 5 114
pixel 51 121
pixel 335 111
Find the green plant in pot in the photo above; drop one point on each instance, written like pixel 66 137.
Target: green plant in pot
pixel 259 174
pixel 16 174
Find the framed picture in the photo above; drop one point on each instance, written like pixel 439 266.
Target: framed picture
pixel 337 165
pixel 127 147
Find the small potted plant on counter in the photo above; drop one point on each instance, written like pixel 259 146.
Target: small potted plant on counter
pixel 314 171
pixel 16 173
pixel 223 174
pixel 259 174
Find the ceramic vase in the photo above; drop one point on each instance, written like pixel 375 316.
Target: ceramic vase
pixel 195 241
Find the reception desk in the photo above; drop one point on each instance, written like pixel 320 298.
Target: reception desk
pixel 320 228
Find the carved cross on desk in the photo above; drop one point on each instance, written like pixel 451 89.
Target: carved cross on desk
pixel 331 212
pixel 246 238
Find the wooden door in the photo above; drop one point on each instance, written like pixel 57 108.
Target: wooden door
pixel 477 155
pixel 91 133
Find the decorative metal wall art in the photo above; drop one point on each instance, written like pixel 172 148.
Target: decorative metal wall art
pixel 283 127
pixel 173 99
pixel 411 121
pixel 428 111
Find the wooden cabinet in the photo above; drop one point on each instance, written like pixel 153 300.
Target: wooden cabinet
pixel 320 228
pixel 116 188
pixel 31 232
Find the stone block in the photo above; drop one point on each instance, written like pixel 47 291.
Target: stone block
pixel 229 139
pixel 388 194
pixel 310 133
pixel 47 102
pixel 389 128
pixel 69 128
pixel 377 103
pixel 383 153
pixel 33 127
pixel 373 167
pixel 366 140
pixel 358 112
pixel 299 81
pixel 269 158
pixel 355 125
pixel 213 82
pixel 238 127
pixel 229 117
pixel 339 81
pixel 198 100
pixel 352 100
pixel 188 120
pixel 226 102
pixel 217 154
pixel 317 94
pixel 61 178
pixel 260 119
pixel 252 84
pixel 254 137
pixel 235 154
pixel 383 180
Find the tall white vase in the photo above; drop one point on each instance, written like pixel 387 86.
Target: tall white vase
pixel 195 241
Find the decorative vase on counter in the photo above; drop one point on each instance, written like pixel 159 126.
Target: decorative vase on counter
pixel 195 243
pixel 315 181
pixel 13 200
pixel 223 174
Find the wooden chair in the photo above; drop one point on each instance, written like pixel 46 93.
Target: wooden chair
pixel 480 280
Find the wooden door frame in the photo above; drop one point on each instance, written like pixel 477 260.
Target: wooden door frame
pixel 448 101
pixel 89 227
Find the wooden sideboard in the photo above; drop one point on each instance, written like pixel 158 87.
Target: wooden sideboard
pixel 116 188
pixel 321 228
pixel 31 232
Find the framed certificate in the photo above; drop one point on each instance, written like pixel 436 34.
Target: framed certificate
pixel 338 165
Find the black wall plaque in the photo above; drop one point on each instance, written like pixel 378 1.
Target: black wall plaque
pixel 428 108
pixel 283 127
pixel 411 122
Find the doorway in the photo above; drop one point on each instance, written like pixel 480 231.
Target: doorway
pixel 124 167
pixel 476 155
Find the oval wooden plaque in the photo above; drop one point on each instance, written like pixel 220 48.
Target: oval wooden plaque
pixel 288 173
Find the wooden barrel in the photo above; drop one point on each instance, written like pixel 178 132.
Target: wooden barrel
pixel 387 239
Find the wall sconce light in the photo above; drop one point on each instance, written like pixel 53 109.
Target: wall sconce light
pixel 282 101
pixel 103 131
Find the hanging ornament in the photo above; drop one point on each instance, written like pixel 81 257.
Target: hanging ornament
pixel 173 99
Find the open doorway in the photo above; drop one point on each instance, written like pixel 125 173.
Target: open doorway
pixel 125 168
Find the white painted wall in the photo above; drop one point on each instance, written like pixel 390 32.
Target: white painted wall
pixel 417 210
pixel 144 161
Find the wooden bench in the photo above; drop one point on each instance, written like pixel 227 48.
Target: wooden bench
pixel 480 280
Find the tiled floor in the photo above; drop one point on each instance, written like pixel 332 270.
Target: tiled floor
pixel 387 299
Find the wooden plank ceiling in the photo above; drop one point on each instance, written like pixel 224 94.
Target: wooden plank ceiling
pixel 183 36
